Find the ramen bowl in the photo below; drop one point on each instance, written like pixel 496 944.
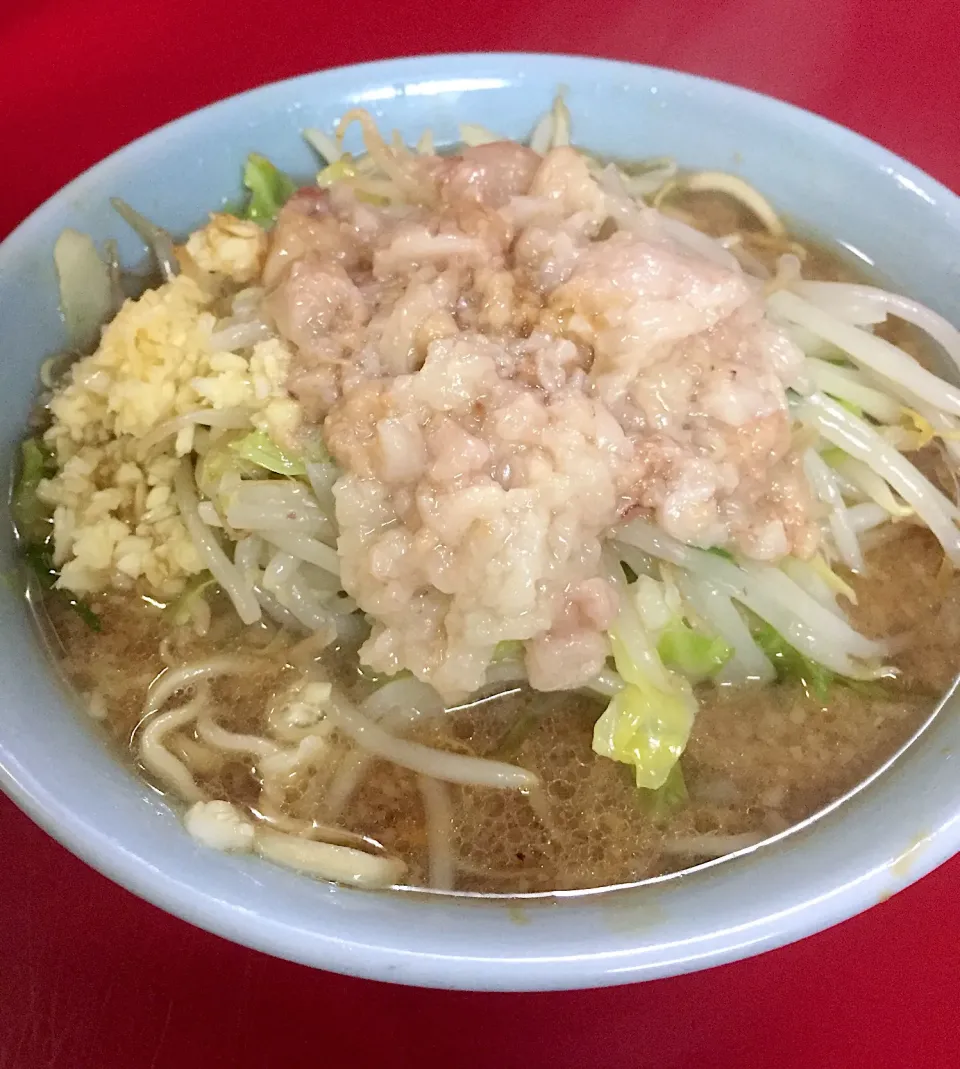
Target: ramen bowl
pixel 897 825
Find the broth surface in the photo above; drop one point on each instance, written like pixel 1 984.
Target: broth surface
pixel 758 761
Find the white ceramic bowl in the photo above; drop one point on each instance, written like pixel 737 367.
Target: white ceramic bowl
pixel 53 762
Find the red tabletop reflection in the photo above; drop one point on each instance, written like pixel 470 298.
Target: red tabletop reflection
pixel 92 978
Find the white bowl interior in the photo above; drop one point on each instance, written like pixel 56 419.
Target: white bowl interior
pixel 54 762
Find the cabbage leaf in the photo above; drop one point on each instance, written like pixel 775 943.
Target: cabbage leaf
pixel 180 611
pixel 660 804
pixel 34 524
pixel 260 449
pixel 508 650
pixel 644 725
pixel 38 557
pixel 691 653
pixel 791 665
pixel 30 514
pixel 336 172
pixel 681 646
pixel 269 189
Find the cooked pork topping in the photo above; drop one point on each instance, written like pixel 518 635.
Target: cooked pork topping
pixel 502 381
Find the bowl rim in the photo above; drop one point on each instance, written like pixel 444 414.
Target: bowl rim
pixel 130 868
pixel 402 62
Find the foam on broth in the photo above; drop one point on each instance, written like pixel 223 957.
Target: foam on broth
pixel 758 760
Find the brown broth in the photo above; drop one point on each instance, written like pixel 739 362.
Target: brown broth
pixel 758 761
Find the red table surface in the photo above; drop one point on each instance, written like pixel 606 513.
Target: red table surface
pixel 92 977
